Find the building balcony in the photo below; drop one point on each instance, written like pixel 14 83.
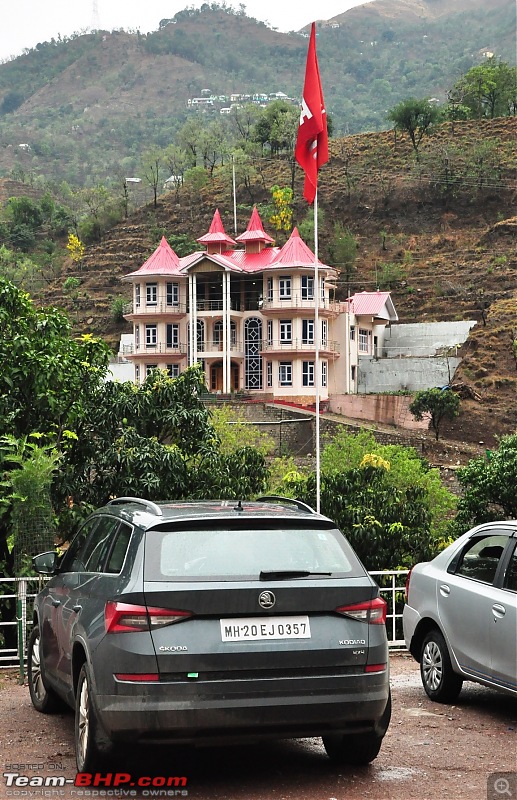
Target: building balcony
pixel 154 309
pixel 160 349
pixel 283 305
pixel 326 348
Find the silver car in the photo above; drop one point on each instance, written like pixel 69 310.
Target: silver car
pixel 211 622
pixel 460 618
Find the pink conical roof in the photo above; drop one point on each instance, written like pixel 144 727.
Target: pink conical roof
pixel 295 253
pixel 216 232
pixel 162 262
pixel 255 231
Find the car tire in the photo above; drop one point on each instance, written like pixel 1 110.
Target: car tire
pixel 361 748
pixel 92 744
pixel 43 698
pixel 439 680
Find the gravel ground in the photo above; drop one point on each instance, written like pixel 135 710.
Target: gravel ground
pixel 431 752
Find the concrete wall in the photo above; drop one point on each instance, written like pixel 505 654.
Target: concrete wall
pixel 425 339
pixel 404 374
pixel 388 409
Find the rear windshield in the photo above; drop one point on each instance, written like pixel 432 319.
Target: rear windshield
pixel 235 554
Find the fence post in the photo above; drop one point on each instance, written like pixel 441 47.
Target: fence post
pixel 21 620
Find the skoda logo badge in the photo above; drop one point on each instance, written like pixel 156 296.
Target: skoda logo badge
pixel 267 599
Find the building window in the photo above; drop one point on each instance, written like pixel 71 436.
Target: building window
pixel 285 373
pixel 307 287
pixel 137 337
pixel 137 373
pixel 284 285
pixel 286 331
pixel 270 290
pixel 200 335
pixel 307 373
pixel 324 332
pixel 151 294
pixel 173 294
pixel 173 335
pixel 151 335
pixel 322 289
pixel 270 332
pixel 137 295
pixel 173 370
pixel 363 340
pixel 269 373
pixel 352 373
pixel 352 333
pixel 307 331
pixel 252 357
pixel 218 334
pixel 149 369
pixel 324 373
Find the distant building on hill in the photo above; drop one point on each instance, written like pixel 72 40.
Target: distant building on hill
pixel 248 315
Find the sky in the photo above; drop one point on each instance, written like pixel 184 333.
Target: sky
pixel 24 23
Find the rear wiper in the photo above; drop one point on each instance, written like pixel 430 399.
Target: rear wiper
pixel 283 574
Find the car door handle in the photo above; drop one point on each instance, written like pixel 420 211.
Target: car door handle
pixel 76 609
pixel 498 610
pixel 445 590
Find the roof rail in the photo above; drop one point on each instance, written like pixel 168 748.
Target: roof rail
pixel 150 506
pixel 276 498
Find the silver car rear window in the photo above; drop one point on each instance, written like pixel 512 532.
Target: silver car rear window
pixel 235 554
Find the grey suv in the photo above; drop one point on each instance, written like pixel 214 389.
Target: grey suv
pixel 211 622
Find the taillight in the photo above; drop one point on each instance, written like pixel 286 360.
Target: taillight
pixel 406 591
pixel 371 611
pixel 125 617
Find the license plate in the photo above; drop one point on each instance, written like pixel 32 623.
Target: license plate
pixel 257 628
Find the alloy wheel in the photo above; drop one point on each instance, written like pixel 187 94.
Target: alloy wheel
pixel 432 666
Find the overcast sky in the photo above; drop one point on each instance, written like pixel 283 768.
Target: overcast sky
pixel 24 23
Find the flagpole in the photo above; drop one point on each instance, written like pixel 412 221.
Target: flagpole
pixel 317 352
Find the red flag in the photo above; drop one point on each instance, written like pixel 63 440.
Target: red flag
pixel 312 149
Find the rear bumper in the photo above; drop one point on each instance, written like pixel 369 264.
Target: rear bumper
pixel 197 713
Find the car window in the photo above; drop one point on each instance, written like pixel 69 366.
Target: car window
pixel 96 548
pixel 510 578
pixel 481 557
pixel 232 554
pixel 118 553
pixel 73 558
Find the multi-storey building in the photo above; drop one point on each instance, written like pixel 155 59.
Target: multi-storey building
pixel 248 315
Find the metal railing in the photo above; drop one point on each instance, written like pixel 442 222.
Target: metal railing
pixel 24 590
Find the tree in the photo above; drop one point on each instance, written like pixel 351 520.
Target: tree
pixel 45 374
pixel 407 470
pixel 489 89
pixel 488 487
pixel 343 252
pixel 387 527
pixel 152 162
pixel 416 118
pixel 439 403
pixel 155 440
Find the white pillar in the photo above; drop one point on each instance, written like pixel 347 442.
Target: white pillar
pixel 191 319
pixel 225 336
pixel 228 352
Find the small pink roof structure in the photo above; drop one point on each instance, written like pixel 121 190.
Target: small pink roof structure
pixel 373 304
pixel 295 253
pixel 216 233
pixel 255 231
pixel 163 261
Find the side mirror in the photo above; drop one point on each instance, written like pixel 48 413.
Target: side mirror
pixel 46 563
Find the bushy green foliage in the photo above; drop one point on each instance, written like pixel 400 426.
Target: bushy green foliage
pixel 488 487
pixel 232 430
pixel 389 503
pixel 407 470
